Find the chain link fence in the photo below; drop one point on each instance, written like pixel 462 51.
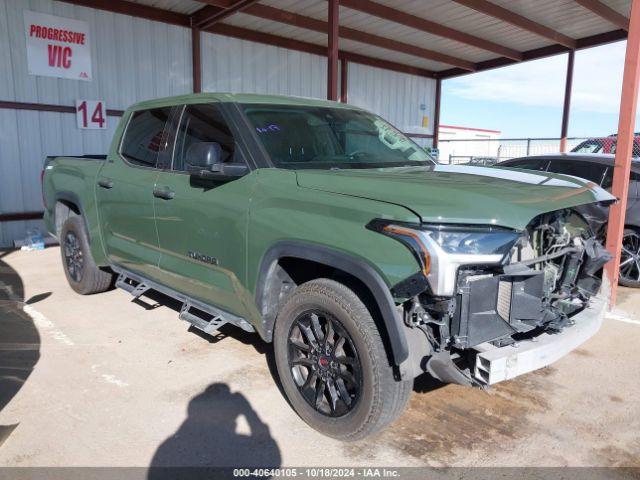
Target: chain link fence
pixel 491 151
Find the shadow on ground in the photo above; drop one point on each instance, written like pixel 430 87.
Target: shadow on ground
pixel 19 339
pixel 222 430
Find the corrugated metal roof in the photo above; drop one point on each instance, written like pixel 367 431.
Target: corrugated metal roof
pixel 395 31
pixel 623 7
pixel 181 6
pixel 564 16
pixel 275 28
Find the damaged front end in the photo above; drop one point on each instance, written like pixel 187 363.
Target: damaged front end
pixel 489 295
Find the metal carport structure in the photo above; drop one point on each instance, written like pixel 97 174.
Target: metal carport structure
pixel 436 39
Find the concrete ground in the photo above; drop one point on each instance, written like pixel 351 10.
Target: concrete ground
pixel 107 381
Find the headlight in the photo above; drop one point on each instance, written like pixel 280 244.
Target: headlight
pixel 470 242
pixel 441 249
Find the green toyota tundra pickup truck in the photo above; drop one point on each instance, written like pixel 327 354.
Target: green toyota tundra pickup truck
pixel 331 234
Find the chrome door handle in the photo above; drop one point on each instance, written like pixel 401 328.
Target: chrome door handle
pixel 105 183
pixel 165 193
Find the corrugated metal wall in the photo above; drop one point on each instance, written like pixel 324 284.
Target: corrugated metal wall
pixel 400 98
pixel 132 60
pixel 232 65
pixel 135 59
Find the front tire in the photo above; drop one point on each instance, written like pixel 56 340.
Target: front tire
pixel 83 275
pixel 332 362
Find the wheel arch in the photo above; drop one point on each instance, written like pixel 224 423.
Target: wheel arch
pixel 273 278
pixel 66 205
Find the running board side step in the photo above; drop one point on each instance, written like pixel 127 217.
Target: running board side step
pixel 207 326
pixel 203 316
pixel 135 290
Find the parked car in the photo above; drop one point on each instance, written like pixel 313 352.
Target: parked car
pixel 605 145
pixel 331 234
pixel 598 168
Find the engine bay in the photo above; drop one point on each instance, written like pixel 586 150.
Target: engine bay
pixel 548 276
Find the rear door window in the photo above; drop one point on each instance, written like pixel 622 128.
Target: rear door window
pixel 146 137
pixel 593 172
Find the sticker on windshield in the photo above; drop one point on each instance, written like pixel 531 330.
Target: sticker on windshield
pixel 395 140
pixel 268 129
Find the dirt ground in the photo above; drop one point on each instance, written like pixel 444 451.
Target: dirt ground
pixel 106 381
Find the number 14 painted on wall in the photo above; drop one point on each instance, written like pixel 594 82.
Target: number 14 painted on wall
pixel 91 114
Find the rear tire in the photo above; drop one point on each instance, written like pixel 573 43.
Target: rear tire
pixel 83 275
pixel 326 341
pixel 629 275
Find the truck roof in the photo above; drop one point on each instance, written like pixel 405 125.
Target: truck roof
pixel 238 98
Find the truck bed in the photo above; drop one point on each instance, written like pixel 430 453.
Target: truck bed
pixel 71 179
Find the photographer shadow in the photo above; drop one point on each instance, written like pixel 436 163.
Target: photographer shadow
pixel 209 437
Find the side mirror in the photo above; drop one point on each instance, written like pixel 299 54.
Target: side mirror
pixel 205 161
pixel 204 155
pixel 221 172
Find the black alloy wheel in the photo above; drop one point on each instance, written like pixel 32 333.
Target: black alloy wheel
pixel 324 363
pixel 73 256
pixel 630 259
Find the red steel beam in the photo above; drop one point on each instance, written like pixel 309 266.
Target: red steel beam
pixel 47 107
pixel 19 216
pixel 624 149
pixel 226 12
pixel 436 113
pixel 332 49
pixel 606 12
pixel 344 80
pixel 267 39
pixel 200 17
pixel 386 64
pixel 135 10
pixel 496 11
pixel 283 16
pixel 568 86
pixel 196 60
pixel 218 3
pixel 427 26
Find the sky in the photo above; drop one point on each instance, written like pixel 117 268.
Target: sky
pixel 525 100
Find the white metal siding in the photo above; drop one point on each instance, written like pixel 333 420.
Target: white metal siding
pixel 397 97
pixel 239 66
pixel 132 60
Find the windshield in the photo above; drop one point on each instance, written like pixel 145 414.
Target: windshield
pixel 326 137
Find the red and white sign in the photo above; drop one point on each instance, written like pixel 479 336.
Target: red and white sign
pixel 57 46
pixel 91 114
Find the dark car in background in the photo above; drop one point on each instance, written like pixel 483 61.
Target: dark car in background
pixel 598 167
pixel 481 161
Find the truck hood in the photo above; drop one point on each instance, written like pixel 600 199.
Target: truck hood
pixel 460 194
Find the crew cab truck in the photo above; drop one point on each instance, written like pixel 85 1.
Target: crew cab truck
pixel 328 232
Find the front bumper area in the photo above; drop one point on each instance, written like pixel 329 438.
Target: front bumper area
pixel 496 364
